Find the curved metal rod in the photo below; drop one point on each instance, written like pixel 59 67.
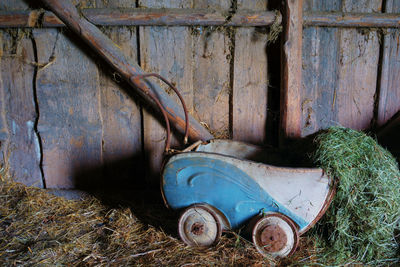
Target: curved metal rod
pixel 155 98
pixel 185 140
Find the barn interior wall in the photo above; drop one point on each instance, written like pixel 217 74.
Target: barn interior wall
pixel 68 121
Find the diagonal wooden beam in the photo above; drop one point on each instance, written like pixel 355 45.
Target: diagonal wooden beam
pixel 104 47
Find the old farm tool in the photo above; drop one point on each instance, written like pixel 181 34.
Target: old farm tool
pixel 218 184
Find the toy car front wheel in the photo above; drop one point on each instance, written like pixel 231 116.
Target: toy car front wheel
pixel 275 235
pixel 199 226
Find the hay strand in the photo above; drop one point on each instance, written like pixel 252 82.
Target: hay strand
pixel 360 225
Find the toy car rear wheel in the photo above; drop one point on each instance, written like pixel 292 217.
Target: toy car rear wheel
pixel 199 226
pixel 275 235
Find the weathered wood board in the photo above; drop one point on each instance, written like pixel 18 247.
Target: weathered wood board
pixel 120 114
pixel 291 75
pixel 389 95
pixel 195 59
pixel 13 4
pixel 69 101
pixel 165 51
pixel 19 143
pixel 211 72
pixel 88 120
pixel 340 68
pixel 250 80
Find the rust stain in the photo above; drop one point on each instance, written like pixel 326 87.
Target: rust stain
pixel 252 17
pixel 51 20
pixel 77 142
pixel 71 111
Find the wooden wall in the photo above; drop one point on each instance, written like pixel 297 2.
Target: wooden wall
pixel 67 120
pixel 349 75
pixel 86 127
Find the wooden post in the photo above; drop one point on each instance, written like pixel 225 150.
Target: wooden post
pixel 113 55
pixel 292 70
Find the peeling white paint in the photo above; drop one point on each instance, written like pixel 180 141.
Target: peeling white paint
pixel 14 127
pixel 38 151
pixel 29 126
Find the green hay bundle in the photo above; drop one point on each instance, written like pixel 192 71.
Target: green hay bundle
pixel 362 222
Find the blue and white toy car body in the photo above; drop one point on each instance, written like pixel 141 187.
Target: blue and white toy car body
pixel 241 189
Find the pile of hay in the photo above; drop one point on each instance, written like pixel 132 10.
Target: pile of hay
pixel 37 228
pixel 363 220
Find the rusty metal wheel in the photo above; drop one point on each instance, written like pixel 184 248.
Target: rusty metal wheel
pixel 200 226
pixel 275 235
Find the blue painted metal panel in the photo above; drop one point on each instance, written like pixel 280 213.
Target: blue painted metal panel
pixel 191 180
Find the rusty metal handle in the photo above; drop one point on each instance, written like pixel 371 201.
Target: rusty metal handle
pixel 185 139
pixel 136 78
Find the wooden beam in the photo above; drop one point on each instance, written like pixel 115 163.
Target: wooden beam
pixel 195 17
pixel 104 47
pixel 139 17
pixel 291 70
pixel 355 20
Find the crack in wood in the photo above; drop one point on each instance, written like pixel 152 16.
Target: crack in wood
pixel 37 110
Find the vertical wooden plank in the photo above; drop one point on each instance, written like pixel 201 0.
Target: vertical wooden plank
pixel 319 71
pixel 196 60
pixel 250 81
pixel 19 141
pixel 389 97
pixel 120 115
pixel 211 72
pixel 339 71
pixel 167 51
pixel 358 68
pixel 13 4
pixel 291 69
pixel 69 100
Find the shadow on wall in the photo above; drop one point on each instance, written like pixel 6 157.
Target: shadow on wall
pixel 388 135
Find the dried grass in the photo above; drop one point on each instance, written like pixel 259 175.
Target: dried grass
pixel 37 228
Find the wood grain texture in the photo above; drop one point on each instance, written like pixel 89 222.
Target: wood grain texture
pixel 120 115
pixel 195 60
pixel 13 4
pixel 339 71
pixel 291 70
pixel 19 142
pixel 69 102
pixel 166 51
pixel 358 70
pixel 111 53
pixel 127 16
pixel 250 81
pixel 350 19
pixel 319 71
pixel 389 97
pixel 211 73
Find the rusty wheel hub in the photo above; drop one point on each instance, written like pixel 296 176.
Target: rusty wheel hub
pixel 273 238
pixel 197 228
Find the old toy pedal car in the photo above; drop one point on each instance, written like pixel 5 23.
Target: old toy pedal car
pixel 220 187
